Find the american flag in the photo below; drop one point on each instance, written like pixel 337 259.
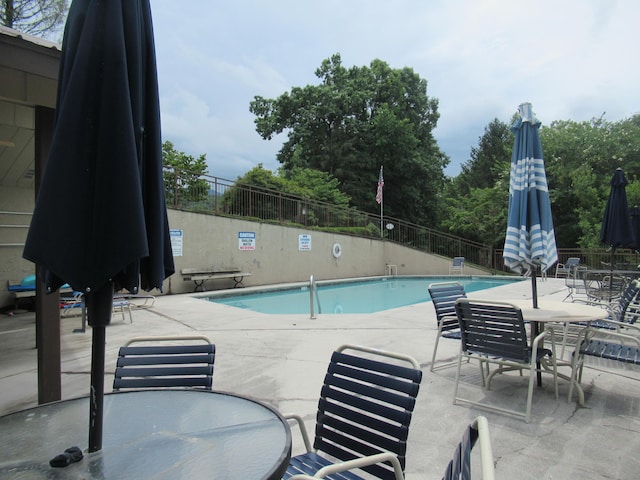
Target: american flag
pixel 380 185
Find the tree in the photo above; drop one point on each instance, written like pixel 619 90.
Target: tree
pixel 489 160
pixel 580 160
pixel 353 122
pixel 478 198
pixel 41 18
pixel 182 180
pixel 311 184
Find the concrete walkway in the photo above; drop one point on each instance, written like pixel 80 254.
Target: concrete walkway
pixel 282 360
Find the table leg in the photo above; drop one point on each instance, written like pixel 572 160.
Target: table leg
pixel 576 384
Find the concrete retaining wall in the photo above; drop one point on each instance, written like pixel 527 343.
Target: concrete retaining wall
pixel 275 254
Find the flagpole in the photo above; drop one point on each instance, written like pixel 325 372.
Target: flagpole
pixel 381 216
pixel 379 199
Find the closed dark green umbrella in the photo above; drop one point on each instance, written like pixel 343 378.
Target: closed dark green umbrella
pixel 100 221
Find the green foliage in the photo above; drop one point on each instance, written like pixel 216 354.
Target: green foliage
pixel 480 216
pixel 353 122
pixel 489 160
pixel 580 159
pixel 314 185
pixel 183 184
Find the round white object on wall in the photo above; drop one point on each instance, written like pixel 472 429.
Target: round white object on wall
pixel 336 250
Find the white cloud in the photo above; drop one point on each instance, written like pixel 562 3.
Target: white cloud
pixel 573 59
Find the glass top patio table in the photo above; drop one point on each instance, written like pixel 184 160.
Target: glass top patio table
pixel 154 434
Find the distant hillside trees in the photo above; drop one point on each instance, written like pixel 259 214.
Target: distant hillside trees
pixel 580 159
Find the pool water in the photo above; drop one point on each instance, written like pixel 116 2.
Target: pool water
pixel 367 296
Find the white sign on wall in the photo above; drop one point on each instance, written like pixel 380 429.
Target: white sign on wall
pixel 304 242
pixel 176 242
pixel 246 241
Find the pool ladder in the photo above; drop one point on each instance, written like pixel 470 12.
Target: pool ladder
pixel 313 292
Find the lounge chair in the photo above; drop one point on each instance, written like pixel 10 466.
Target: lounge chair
pixel 165 362
pixel 495 333
pixel 363 416
pixel 74 304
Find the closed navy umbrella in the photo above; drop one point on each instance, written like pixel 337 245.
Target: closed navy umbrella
pixel 530 241
pixel 635 228
pixel 616 230
pixel 100 221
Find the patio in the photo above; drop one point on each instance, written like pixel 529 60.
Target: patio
pixel 282 359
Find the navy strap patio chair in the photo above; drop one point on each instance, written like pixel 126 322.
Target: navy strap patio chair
pixel 459 467
pixel 495 333
pixel 613 348
pixel 457 266
pixel 165 362
pixel 444 296
pixel 565 269
pixel 363 417
pixel 623 311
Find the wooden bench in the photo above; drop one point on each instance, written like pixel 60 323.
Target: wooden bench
pixel 200 275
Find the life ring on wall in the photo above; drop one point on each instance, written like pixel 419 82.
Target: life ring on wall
pixel 336 250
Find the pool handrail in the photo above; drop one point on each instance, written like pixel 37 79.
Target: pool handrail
pixel 312 287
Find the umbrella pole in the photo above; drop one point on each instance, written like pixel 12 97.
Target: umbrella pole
pixel 99 307
pixel 613 251
pixel 534 286
pixel 534 325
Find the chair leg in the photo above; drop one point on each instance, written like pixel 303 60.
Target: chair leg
pixel 532 376
pixel 457 382
pixel 435 349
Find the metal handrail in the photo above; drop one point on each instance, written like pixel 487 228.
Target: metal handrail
pixel 312 288
pixel 217 196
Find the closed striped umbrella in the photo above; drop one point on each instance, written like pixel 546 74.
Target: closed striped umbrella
pixel 530 242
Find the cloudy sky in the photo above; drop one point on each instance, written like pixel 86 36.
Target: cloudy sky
pixel 572 59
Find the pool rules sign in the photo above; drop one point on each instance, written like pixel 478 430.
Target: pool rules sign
pixel 246 241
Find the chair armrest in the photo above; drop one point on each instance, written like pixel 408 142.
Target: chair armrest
pixel 621 327
pixel 610 307
pixel 356 463
pixel 293 417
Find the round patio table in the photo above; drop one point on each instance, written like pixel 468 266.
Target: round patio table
pixel 153 434
pixel 550 312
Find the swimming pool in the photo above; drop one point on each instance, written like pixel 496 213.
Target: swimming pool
pixel 363 296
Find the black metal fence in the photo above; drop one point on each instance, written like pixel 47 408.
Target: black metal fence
pixel 217 196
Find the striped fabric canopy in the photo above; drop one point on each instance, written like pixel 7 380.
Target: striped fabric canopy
pixel 530 240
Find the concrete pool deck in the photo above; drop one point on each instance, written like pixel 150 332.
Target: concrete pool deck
pixel 282 360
